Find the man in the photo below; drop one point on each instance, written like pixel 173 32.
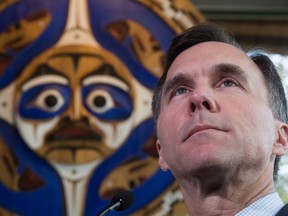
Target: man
pixel 221 119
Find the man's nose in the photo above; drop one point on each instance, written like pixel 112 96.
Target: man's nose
pixel 203 99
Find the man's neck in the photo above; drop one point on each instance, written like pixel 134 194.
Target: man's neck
pixel 222 195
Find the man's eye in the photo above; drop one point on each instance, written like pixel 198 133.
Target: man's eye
pixel 228 83
pixel 180 91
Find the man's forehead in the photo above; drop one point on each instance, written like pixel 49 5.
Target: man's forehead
pixel 210 57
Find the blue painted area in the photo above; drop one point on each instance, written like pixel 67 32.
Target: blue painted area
pixel 29 109
pixel 143 194
pixel 58 10
pixel 122 102
pixel 104 12
pixel 48 199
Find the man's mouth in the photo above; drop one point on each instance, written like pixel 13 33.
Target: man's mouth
pixel 200 128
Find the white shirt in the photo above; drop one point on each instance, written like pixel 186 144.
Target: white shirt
pixel 268 205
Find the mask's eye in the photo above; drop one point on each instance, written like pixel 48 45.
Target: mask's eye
pixel 107 102
pixel 100 101
pixel 50 100
pixel 44 101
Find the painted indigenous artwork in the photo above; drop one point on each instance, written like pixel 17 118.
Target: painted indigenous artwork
pixel 76 80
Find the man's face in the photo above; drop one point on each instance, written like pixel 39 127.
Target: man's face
pixel 215 113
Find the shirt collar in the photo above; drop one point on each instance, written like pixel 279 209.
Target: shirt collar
pixel 268 205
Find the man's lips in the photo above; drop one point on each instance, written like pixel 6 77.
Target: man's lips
pixel 199 128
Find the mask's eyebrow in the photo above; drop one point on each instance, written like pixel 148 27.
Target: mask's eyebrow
pixel 171 84
pixel 44 74
pixel 230 69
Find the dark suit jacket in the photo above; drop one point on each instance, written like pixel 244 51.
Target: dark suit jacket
pixel 283 211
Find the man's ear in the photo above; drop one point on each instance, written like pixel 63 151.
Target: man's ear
pixel 281 144
pixel 162 162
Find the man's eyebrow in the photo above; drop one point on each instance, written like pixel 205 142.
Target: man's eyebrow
pixel 175 81
pixel 217 70
pixel 230 69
